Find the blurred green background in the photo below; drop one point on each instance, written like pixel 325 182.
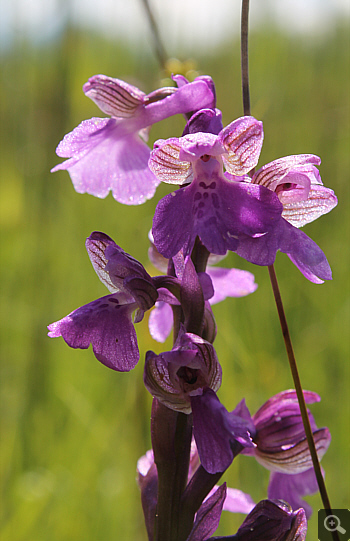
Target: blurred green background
pixel 73 430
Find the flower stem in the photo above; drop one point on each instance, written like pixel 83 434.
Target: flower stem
pixel 277 294
pixel 159 47
pixel 244 57
pixel 299 391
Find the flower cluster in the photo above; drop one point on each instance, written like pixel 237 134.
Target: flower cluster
pixel 220 205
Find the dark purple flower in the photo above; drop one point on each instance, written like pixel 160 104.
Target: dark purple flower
pixel 173 377
pixel 297 182
pixel 107 322
pixel 282 448
pixel 107 153
pixel 270 520
pixel 186 379
pixel 220 211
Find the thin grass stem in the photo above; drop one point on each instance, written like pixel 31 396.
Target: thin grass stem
pixel 277 294
pixel 158 44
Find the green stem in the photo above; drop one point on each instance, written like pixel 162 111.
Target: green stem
pixel 300 395
pixel 159 47
pixel 244 57
pixel 277 294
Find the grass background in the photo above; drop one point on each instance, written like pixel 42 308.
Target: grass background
pixel 72 430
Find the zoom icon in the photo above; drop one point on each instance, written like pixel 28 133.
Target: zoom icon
pixel 338 521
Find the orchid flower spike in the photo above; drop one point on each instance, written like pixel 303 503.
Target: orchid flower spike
pixel 107 153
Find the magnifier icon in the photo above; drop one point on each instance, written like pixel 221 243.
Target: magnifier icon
pixel 332 523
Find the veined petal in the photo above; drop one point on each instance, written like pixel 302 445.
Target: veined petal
pixel 320 201
pixel 243 140
pixel 159 383
pixel 143 291
pixel 112 264
pixel 174 376
pixel 273 173
pixel 165 162
pixel 106 324
pixel 297 458
pixel 96 246
pixel 113 96
pixel 277 403
pixel 270 521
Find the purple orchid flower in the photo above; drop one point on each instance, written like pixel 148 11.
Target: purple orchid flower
pixel 107 322
pixel 107 153
pixel 220 211
pixel 282 448
pixel 297 182
pixel 270 520
pixel 299 187
pixel 225 282
pixel 186 379
pixel 220 208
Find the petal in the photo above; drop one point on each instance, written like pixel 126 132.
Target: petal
pixel 165 162
pixel 96 245
pixel 268 521
pixel 302 251
pixel 113 266
pixel 205 120
pixel 320 201
pixel 230 283
pixel 82 139
pixel 295 459
pixel 291 488
pixel 238 502
pixel 273 173
pixel 219 212
pixel 215 432
pixel 169 240
pixel 208 516
pixel 160 321
pixel 279 401
pixel 143 291
pixel 243 140
pixel 105 324
pixel 113 96
pixel 190 97
pixel 148 484
pixel 159 383
pixel 104 157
